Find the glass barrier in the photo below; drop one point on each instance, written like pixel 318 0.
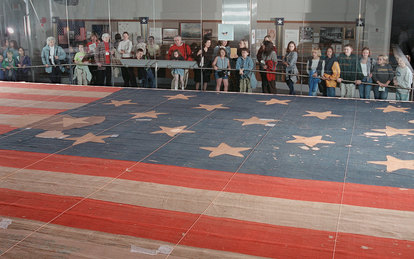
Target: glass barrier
pixel 84 42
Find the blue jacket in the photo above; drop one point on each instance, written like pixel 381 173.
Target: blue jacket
pixel 246 64
pixel 45 57
pixel 25 61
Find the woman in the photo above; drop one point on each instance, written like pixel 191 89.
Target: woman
pixel 153 49
pixel 269 62
pixel 11 46
pixel 367 64
pixel 91 48
pixel 204 59
pixel 315 69
pixel 23 62
pixel 125 48
pixel 52 57
pixel 332 72
pixel 222 44
pixel 220 64
pixel 291 70
pixel 103 54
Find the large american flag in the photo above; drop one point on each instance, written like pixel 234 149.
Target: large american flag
pixel 95 172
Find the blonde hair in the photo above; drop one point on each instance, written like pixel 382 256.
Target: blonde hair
pixel 318 51
pixel 385 58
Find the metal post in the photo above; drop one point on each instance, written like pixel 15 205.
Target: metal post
pixel 28 33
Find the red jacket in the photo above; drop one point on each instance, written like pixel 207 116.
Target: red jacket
pixel 184 49
pixel 271 66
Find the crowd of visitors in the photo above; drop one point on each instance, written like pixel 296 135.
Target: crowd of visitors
pixel 97 61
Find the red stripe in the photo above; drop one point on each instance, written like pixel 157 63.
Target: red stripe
pixel 295 189
pixel 61 87
pixel 51 98
pixel 23 110
pixel 209 232
pixel 6 128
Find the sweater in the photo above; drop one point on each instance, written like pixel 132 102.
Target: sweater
pixel 350 68
pixel 404 78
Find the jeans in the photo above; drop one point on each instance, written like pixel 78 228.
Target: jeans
pixel 364 89
pixel 402 96
pixel 383 95
pixel 291 86
pixel 149 79
pixel 313 84
pixel 330 91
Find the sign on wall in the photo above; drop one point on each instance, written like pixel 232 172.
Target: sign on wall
pixel 226 32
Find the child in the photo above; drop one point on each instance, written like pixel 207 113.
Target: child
pixel 82 72
pixel 220 65
pixel 23 62
pixel 332 72
pixel 315 67
pixel 245 65
pixel 178 73
pixel 9 64
pixel 289 61
pixel 350 71
pixel 403 80
pixel 2 70
pixel 382 75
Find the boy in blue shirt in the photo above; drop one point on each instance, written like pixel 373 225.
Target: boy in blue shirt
pixel 245 65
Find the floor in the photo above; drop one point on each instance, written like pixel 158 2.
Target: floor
pixel 106 172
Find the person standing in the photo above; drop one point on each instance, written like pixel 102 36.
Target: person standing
pixel 52 57
pixel 367 64
pixel 185 52
pixel 244 65
pixel 403 80
pixel 350 72
pixel 222 44
pixel 382 75
pixel 269 62
pixel 153 49
pixel 204 58
pixel 91 49
pixel 23 62
pixel 221 64
pixel 331 72
pixel 315 68
pixel 290 63
pixel 125 48
pixel 82 72
pixel 103 60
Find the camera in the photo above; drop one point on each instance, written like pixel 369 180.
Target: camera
pixel 222 73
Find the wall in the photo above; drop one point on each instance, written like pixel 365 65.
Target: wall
pixel 169 13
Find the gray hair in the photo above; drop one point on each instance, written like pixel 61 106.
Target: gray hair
pixel 49 39
pixel 105 35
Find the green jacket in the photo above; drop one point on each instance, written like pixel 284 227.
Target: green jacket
pixel 350 67
pixel 12 63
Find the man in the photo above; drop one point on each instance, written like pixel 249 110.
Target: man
pixel 103 60
pixel 185 51
pixel 350 71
